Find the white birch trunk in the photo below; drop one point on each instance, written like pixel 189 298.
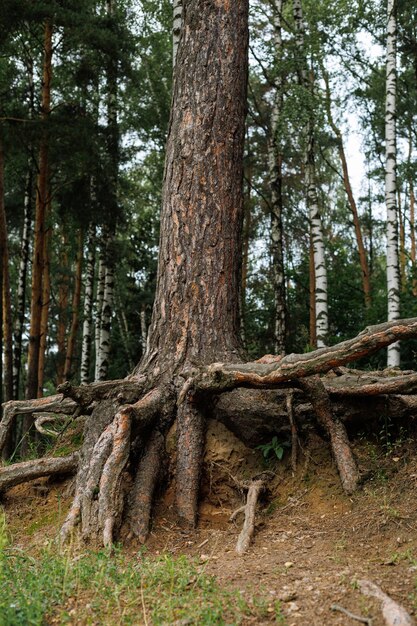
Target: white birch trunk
pixel 21 283
pixel 88 309
pixel 275 181
pixel 143 331
pixel 393 273
pixel 99 309
pixel 320 269
pixel 106 313
pixel 176 28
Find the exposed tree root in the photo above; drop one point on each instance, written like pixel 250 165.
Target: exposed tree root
pixel 245 537
pixel 142 493
pixel 125 431
pixel 393 613
pixel 190 453
pixel 13 475
pixel 57 404
pixel 346 465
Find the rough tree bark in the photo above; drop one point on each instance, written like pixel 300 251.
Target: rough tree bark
pixel 193 354
pixel 87 339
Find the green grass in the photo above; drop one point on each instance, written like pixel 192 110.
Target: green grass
pixel 99 587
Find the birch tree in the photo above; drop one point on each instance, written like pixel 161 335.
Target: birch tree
pixel 275 180
pixel 393 273
pixel 317 235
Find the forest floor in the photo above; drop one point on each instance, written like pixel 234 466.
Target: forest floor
pixel 312 544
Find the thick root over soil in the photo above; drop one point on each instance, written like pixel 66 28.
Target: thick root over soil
pixel 121 462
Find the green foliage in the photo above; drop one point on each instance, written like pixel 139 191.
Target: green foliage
pixel 66 588
pixel 274 448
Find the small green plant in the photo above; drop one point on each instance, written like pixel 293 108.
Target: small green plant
pixel 274 448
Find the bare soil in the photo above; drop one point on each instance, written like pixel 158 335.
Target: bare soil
pixel 312 543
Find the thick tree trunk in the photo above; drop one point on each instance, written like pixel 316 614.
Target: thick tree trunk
pixel 195 318
pixel 393 273
pixel 39 229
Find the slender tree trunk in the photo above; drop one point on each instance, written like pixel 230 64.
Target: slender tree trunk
pixel 247 220
pixel 99 306
pixel 320 269
pixel 275 180
pixel 412 217
pixel 24 248
pixel 143 329
pixel 393 274
pixel 39 228
pixel 46 297
pixel 403 256
pixel 312 295
pixel 366 283
pixel 63 296
pixel 107 310
pixel 6 327
pixel 76 299
pixel 176 28
pixel 21 282
pixel 88 308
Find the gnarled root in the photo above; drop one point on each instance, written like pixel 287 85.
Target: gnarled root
pixel 191 440
pixel 13 475
pixel 346 465
pixel 142 493
pixel 98 500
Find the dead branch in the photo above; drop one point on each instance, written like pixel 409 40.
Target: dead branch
pixel 13 475
pixel 220 377
pixel 57 404
pixel 248 529
pixel 126 391
pixel 48 418
pixel 393 613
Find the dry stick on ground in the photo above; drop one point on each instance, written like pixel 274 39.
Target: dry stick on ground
pixel 13 475
pixel 346 465
pixel 358 618
pixel 244 539
pixel 393 613
pixel 294 434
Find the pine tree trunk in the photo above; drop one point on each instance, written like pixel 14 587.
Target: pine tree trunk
pixel 393 273
pixel 39 228
pixel 199 267
pixel 76 299
pixel 275 180
pixel 87 339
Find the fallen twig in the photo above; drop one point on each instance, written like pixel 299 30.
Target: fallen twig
pixel 358 618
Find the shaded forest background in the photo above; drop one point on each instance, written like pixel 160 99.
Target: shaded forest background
pixel 104 132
